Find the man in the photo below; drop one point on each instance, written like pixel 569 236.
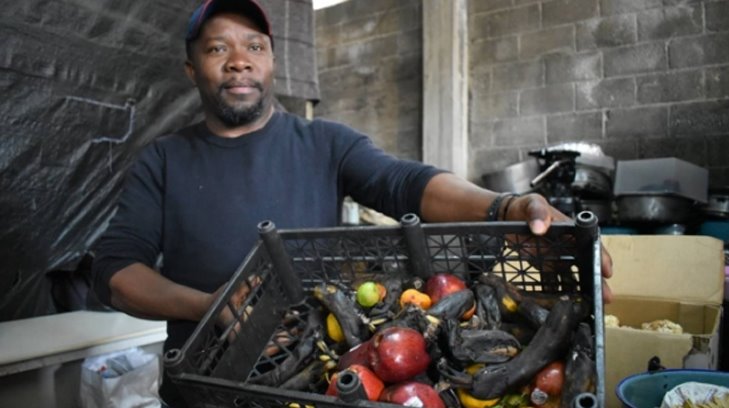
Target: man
pixel 196 196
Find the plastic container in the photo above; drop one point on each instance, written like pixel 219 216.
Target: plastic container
pixel 215 364
pixel 646 390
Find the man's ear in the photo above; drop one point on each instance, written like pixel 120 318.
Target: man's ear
pixel 190 71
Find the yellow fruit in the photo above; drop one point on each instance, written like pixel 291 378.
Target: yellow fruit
pixel 509 303
pixel 334 330
pixel 469 401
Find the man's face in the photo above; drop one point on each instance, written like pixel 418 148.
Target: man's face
pixel 232 65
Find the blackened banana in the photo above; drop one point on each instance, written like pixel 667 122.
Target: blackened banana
pixel 344 309
pixel 550 343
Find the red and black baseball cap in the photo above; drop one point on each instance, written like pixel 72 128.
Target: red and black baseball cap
pixel 249 8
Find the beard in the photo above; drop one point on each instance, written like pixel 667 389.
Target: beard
pixel 233 116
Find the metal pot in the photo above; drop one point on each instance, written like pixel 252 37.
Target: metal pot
pixel 591 182
pixel 718 204
pixel 654 209
pixel 514 178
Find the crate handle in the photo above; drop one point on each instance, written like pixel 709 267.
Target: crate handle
pixel 417 247
pixel 281 261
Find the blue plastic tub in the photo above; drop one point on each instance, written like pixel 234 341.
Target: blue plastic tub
pixel 646 390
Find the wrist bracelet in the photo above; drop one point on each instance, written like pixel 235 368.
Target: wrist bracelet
pixel 492 214
pixel 507 204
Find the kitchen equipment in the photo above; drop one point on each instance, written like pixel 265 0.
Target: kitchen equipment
pixel 718 205
pixel 514 178
pixel 658 209
pixel 557 173
pixel 662 177
pixel 659 191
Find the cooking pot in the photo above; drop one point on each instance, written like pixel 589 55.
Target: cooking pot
pixel 514 178
pixel 718 204
pixel 664 209
pixel 591 182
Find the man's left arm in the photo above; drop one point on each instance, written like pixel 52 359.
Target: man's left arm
pixel 448 198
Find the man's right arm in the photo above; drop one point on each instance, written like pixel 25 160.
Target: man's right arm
pixel 143 292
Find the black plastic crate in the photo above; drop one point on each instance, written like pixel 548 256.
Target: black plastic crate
pixel 213 367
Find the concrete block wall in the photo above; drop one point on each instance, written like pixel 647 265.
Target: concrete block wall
pixel 369 56
pixel 640 78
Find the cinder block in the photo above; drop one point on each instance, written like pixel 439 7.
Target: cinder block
pixel 717 16
pixel 634 122
pixel 560 38
pixel 609 7
pixel 717 82
pixel 717 147
pixel 669 22
pixel 478 30
pixel 500 105
pixel 607 32
pixel 719 176
pixel 481 134
pixel 574 127
pixel 568 11
pixel 550 99
pixel 489 160
pixel 408 42
pixel 670 87
pixel 489 5
pixel 623 149
pixel 606 93
pixel 576 67
pixel 700 118
pixel 512 21
pixel 690 149
pixel 502 49
pixel 697 51
pixel 517 76
pixel 519 132
pixel 634 59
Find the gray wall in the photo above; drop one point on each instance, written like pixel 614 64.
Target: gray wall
pixel 369 55
pixel 641 78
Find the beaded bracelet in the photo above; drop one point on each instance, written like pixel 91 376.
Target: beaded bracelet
pixel 492 214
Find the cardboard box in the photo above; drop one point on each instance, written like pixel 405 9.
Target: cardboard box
pixel 679 278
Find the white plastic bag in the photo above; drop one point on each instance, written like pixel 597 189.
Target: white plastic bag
pixel 123 379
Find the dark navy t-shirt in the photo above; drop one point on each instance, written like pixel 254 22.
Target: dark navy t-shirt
pixel 196 198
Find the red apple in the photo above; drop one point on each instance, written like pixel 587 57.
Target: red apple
pixel 443 284
pixel 412 394
pixel 551 378
pixel 359 354
pixel 372 385
pixel 398 354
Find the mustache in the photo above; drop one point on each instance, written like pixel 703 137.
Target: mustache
pixel 252 83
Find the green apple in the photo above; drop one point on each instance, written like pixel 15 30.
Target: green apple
pixel 368 294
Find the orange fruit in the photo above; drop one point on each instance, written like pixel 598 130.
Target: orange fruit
pixel 415 297
pixel 469 313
